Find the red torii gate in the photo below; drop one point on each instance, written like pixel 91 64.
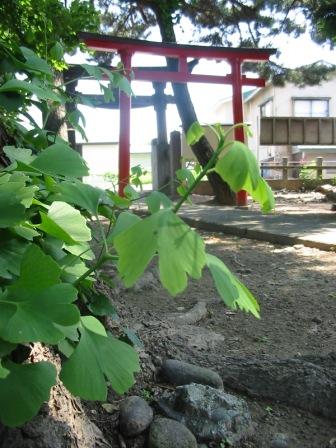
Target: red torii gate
pixel 128 47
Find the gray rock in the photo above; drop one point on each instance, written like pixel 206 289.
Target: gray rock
pixel 312 385
pixel 135 416
pixel 181 373
pixel 166 433
pixel 281 441
pixel 209 413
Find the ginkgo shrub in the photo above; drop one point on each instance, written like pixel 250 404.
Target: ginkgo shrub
pixel 48 271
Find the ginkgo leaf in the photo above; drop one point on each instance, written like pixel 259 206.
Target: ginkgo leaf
pixel 99 358
pixel 194 134
pixel 136 246
pixel 30 316
pixel 231 290
pixel 37 270
pixel 12 212
pixel 26 231
pixel 21 154
pixel 65 223
pixel 81 250
pixel 24 390
pixel 239 168
pixel 156 199
pixel 82 195
pixel 15 85
pixel 36 301
pixel 11 253
pixel 60 160
pixel 35 62
pixel 124 221
pixel 181 252
pixel 180 249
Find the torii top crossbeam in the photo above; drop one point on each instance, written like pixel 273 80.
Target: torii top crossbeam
pixel 128 47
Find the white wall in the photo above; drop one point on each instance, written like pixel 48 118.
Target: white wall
pixel 103 158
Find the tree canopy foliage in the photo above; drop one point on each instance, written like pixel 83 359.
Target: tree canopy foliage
pixel 246 23
pixel 40 24
pixel 323 16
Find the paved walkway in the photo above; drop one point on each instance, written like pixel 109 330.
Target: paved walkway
pixel 311 226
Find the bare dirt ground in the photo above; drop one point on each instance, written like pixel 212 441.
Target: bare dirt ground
pixel 296 290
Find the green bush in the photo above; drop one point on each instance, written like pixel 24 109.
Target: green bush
pixel 309 179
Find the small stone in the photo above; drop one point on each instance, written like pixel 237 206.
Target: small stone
pixel 135 416
pixel 180 373
pixel 280 441
pixel 333 207
pixel 167 433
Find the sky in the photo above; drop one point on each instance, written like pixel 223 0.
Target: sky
pixel 103 125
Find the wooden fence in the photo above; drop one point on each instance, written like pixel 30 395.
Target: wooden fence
pixel 285 167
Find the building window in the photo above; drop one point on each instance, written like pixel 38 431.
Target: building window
pixel 311 107
pixel 266 109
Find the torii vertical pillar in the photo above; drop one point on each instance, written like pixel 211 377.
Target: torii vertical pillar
pixel 238 116
pixel 124 126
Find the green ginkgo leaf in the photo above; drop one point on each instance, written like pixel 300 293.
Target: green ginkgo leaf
pixel 180 249
pixel 124 221
pixel 11 253
pixel 37 271
pixel 194 134
pixel 12 211
pixel 231 290
pixel 239 168
pixel 24 390
pixel 36 301
pixel 30 317
pixel 65 223
pixel 98 359
pixel 82 195
pixel 20 154
pixel 60 160
pixel 136 246
pixel 181 252
pixel 156 199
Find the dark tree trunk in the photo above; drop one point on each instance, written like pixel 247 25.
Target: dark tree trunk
pixel 71 106
pixel 55 121
pixel 5 140
pixel 201 149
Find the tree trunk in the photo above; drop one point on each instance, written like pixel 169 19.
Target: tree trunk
pixel 55 121
pixel 5 140
pixel 202 149
pixel 71 107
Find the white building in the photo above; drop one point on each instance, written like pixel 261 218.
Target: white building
pixel 287 101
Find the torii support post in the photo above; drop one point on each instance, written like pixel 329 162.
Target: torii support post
pixel 124 126
pixel 238 116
